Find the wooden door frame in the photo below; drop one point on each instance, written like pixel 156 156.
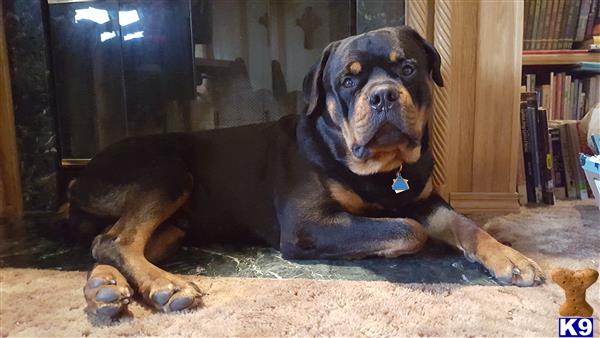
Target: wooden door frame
pixel 11 195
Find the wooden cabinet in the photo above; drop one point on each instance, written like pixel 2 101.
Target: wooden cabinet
pixel 11 203
pixel 475 126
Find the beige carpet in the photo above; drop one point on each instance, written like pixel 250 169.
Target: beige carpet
pixel 50 303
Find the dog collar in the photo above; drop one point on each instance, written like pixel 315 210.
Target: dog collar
pixel 400 184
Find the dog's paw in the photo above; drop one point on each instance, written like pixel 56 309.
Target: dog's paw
pixel 508 266
pixel 107 292
pixel 171 293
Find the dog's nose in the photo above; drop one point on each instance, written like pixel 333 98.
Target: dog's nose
pixel 383 98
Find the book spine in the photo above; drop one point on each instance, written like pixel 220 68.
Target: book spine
pixel 541 20
pixel 581 105
pixel 584 12
pixel 545 156
pixel 576 170
pixel 546 30
pixel 551 23
pixel 546 99
pixel 591 19
pixel 571 24
pixel 558 94
pixel 565 24
pixel 572 100
pixel 560 17
pixel 533 142
pixel 565 150
pixel 584 189
pixel 558 169
pixel 586 89
pixel 527 158
pixel 527 23
pixel 552 96
pixel 565 97
pixel 536 17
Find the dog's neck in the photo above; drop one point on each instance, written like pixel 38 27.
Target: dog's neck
pixel 321 144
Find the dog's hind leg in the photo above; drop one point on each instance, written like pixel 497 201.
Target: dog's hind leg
pixel 123 246
pixel 107 291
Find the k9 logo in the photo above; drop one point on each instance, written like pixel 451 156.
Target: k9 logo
pixel 575 327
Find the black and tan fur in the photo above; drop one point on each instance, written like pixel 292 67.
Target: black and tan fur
pixel 314 185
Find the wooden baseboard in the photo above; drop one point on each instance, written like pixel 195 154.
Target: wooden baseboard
pixel 484 202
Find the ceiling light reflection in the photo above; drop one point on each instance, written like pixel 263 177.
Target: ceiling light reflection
pixel 107 36
pixel 135 35
pixel 128 17
pixel 96 15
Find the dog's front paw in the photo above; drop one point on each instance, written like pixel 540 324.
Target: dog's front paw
pixel 170 293
pixel 509 266
pixel 107 292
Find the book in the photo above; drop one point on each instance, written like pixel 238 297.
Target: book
pixel 551 103
pixel 558 25
pixel 536 17
pixel 566 87
pixel 571 24
pixel 532 131
pixel 527 154
pixel 558 96
pixel 591 19
pixel 528 23
pixel 545 157
pixel 558 169
pixel 551 23
pixel 546 15
pixel 575 147
pixel 521 181
pixel 584 12
pixel 567 160
pixel 546 96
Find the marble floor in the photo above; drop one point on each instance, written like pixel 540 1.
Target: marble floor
pixel 25 243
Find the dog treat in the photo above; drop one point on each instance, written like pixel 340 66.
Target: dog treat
pixel 575 283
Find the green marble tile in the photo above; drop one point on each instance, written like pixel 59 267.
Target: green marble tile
pixel 436 263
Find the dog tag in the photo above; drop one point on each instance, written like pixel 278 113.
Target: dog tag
pixel 400 184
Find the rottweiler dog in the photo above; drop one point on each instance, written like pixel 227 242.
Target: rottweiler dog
pixel 312 185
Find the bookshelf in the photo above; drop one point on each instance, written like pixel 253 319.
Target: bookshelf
pixel 540 59
pixel 561 80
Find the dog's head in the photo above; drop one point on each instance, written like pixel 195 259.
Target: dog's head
pixel 374 88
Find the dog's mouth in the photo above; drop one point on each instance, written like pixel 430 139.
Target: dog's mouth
pixel 387 139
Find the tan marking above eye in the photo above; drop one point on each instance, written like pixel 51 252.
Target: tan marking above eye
pixel 355 68
pixel 394 56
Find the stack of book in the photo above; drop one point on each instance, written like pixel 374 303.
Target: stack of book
pixel 550 167
pixel 566 97
pixel 558 24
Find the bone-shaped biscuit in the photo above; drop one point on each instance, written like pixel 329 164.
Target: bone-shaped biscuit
pixel 575 283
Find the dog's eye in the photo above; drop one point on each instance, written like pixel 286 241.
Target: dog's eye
pixel 408 70
pixel 348 82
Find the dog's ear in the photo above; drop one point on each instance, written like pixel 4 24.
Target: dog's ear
pixel 312 86
pixel 433 57
pixel 435 62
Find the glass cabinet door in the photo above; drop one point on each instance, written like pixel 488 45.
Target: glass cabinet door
pixel 87 70
pixel 120 68
pixel 132 67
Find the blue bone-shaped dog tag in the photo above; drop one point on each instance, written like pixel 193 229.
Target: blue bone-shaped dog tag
pixel 400 184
